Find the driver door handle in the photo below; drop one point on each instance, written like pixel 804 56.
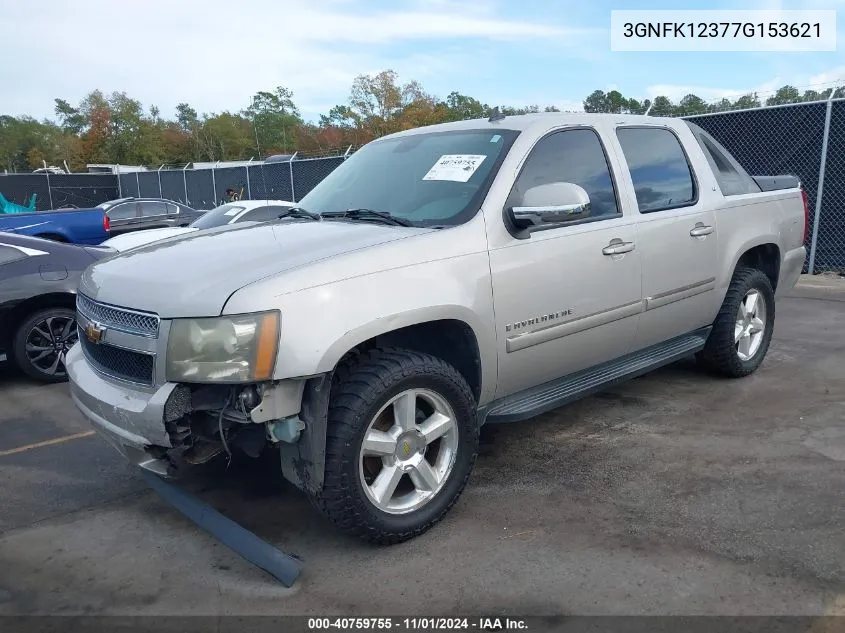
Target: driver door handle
pixel 700 230
pixel 618 248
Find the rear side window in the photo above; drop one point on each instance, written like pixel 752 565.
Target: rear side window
pixel 732 179
pixel 659 168
pixel 152 209
pixel 122 211
pixel 9 254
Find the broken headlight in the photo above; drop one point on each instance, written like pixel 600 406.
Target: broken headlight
pixel 228 349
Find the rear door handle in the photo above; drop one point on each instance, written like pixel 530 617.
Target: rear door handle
pixel 618 247
pixel 700 230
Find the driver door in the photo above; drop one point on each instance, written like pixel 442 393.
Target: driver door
pixel 567 296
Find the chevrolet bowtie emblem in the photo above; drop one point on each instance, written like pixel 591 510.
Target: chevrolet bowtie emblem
pixel 406 449
pixel 95 333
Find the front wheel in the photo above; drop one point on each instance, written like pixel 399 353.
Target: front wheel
pixel 743 329
pixel 41 342
pixel 402 440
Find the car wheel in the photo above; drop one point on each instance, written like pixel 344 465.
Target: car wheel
pixel 743 328
pixel 41 342
pixel 402 439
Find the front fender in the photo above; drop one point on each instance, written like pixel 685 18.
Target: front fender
pixel 322 323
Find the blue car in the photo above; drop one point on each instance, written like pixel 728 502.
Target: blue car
pixel 74 226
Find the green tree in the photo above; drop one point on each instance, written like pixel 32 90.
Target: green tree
pixel 784 95
pixel 746 101
pixel 274 118
pixel 662 106
pixel 70 118
pixel 637 107
pixel 460 107
pixel 226 136
pixel 692 104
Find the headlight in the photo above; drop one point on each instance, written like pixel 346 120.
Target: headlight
pixel 229 349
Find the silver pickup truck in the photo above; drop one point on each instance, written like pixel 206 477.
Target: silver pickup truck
pixel 441 278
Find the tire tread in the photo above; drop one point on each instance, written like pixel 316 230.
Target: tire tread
pixel 719 354
pixel 358 383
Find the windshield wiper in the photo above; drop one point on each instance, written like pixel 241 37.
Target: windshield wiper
pixel 368 214
pixel 299 212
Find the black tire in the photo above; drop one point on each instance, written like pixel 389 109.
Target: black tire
pixel 720 353
pixel 360 389
pixel 23 361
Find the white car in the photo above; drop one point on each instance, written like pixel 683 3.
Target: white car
pixel 230 213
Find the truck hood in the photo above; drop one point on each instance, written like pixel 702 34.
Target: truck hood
pixel 192 275
pixel 139 238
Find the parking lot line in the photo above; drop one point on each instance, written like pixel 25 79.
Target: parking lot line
pixel 55 440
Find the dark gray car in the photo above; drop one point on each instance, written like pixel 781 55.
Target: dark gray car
pixel 38 280
pixel 135 214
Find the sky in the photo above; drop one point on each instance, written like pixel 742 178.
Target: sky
pixel 215 54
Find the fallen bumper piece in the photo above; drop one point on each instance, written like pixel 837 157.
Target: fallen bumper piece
pixel 283 567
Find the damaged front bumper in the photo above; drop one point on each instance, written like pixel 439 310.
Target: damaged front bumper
pixel 131 418
pixel 161 428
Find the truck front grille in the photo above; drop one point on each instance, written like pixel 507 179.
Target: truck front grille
pixel 131 321
pixel 119 363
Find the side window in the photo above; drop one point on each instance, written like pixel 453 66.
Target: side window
pixel 573 156
pixel 123 211
pixel 721 163
pixel 9 254
pixel 732 179
pixel 659 169
pixel 152 208
pixel 172 209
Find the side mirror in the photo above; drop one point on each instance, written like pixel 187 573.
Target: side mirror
pixel 551 204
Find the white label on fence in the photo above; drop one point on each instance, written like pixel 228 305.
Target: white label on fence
pixel 756 30
pixel 455 167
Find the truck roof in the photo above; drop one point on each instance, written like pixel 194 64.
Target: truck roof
pixel 522 122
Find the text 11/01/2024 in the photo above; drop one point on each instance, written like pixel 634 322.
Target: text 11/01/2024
pixel 418 624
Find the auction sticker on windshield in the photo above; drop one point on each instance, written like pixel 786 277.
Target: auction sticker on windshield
pixel 455 167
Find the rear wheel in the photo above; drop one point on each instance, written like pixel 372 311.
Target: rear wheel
pixel 402 440
pixel 743 329
pixel 41 342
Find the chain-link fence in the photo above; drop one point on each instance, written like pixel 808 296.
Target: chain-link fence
pixel 803 139
pixel 206 188
pixel 59 191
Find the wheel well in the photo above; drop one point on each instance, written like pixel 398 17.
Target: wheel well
pixel 30 306
pixel 449 339
pixel 766 258
pixel 53 237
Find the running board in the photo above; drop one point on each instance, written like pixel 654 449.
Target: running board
pixel 551 395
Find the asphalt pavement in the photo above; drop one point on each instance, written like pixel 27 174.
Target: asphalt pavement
pixel 677 493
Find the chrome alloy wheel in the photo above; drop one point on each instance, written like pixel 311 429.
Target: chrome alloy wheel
pixel 47 344
pixel 750 325
pixel 408 451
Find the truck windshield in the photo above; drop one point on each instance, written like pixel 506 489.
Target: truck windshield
pixel 429 179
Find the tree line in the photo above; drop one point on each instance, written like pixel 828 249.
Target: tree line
pixel 116 128
pixel 615 102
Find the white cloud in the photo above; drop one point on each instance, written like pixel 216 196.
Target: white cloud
pixel 829 77
pixel 676 92
pixel 204 52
